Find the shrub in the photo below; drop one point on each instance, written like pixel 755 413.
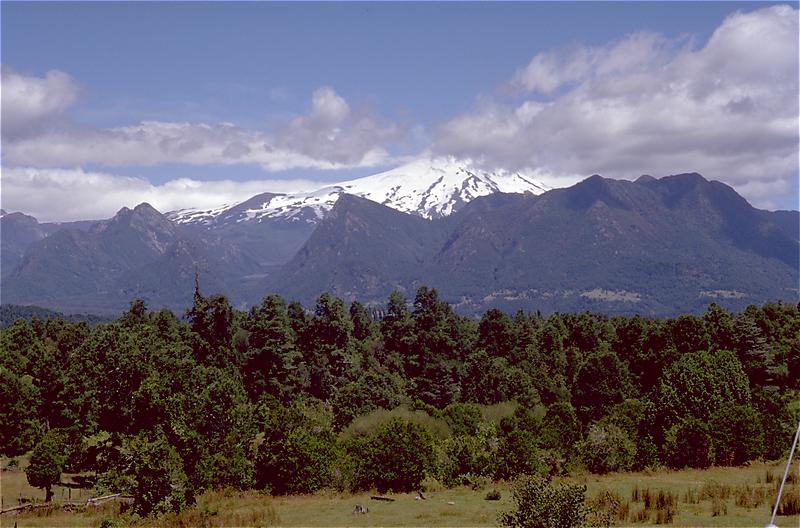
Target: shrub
pixel 463 418
pixel 790 502
pixel 700 382
pixel 747 497
pixel 493 495
pixel 638 419
pixel 560 427
pixel 738 434
pixel 607 448
pixel 608 508
pixel 476 482
pixel 301 462
pixel 518 452
pixel 372 390
pixel 539 504
pixel 160 483
pixel 397 457
pixel 113 481
pixel 718 507
pixel 714 490
pixel 689 444
pixel 468 455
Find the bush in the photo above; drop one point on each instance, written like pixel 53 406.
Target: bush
pixel 113 481
pixel 637 417
pixel 700 382
pixel 373 390
pixel 738 434
pixel 395 458
pixel 518 450
pixel 790 502
pixel 608 508
pixel 463 418
pixel 607 449
pixel 689 444
pixel 493 495
pixel 301 462
pixel 540 504
pixel 560 428
pixel 160 485
pixel 468 455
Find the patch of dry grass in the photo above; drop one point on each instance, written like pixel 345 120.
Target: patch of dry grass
pixel 739 496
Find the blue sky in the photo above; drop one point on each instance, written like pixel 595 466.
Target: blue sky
pixel 442 78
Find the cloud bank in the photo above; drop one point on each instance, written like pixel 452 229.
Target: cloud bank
pixel 59 195
pixel 329 136
pixel 648 104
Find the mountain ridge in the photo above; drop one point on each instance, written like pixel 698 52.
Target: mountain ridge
pixel 653 246
pixel 612 245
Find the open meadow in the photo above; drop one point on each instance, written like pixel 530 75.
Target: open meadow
pixel 712 497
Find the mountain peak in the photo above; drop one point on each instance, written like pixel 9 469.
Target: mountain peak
pixel 596 189
pixel 146 208
pixel 430 187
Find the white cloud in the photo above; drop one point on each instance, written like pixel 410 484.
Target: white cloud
pixel 329 136
pixel 332 131
pixel 57 195
pixel 551 70
pixel 647 104
pixel 27 101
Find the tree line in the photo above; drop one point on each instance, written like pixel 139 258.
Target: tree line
pixel 291 400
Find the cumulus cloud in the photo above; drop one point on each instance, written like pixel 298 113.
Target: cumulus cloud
pixel 329 136
pixel 28 101
pixel 332 131
pixel 649 104
pixel 57 195
pixel 551 70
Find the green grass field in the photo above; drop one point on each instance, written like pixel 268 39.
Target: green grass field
pixel 461 507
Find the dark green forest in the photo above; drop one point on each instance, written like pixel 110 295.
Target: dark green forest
pixel 288 399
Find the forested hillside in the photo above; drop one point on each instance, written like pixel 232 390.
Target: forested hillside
pixel 291 400
pixel 11 312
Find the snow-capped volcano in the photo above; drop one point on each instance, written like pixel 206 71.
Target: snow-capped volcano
pixel 427 187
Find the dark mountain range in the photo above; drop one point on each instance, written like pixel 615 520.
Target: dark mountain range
pixel 360 250
pixel 12 312
pixel 19 231
pixel 654 246
pixel 137 253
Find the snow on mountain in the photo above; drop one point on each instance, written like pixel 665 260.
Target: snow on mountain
pixel 427 187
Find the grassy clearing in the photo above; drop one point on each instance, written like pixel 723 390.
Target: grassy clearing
pixel 714 497
pixel 14 487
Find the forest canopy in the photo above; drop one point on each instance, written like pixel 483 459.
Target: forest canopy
pixel 289 399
